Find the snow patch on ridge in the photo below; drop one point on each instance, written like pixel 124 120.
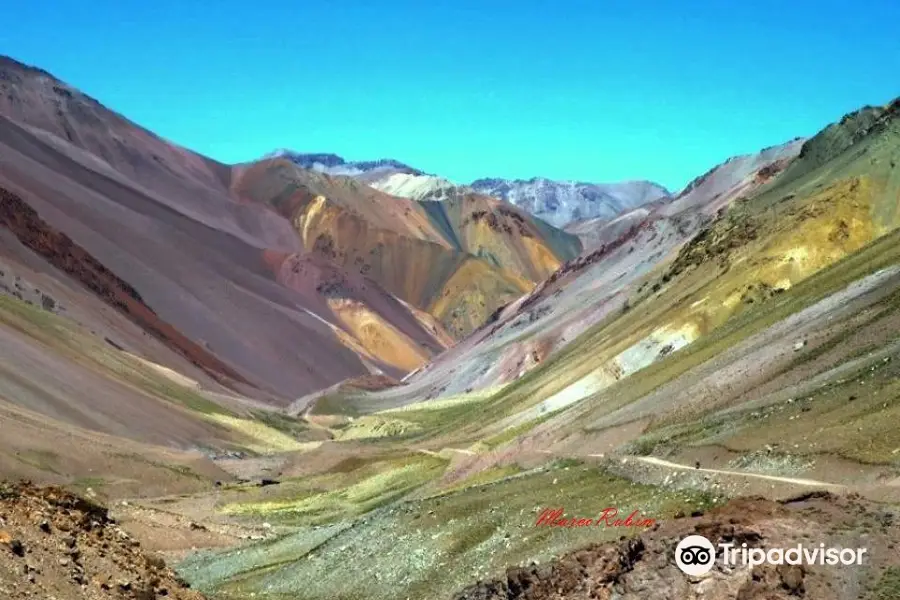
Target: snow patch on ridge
pixel 415 187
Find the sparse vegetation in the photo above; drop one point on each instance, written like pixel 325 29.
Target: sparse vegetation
pixel 478 530
pixel 48 303
pixel 888 586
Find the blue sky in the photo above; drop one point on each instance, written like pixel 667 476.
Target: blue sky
pixel 591 90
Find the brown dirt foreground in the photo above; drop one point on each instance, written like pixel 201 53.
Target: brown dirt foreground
pixel 57 546
pixel 642 568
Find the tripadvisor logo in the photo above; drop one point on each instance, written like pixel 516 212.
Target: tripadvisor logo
pixel 696 555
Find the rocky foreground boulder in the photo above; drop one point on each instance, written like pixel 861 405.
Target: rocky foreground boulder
pixel 57 546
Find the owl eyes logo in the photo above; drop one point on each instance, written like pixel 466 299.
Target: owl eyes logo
pixel 695 555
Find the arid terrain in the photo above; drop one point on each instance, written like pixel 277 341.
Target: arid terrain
pixel 301 377
pixel 55 545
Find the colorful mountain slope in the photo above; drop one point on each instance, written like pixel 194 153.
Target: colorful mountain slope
pixel 162 220
pixel 741 340
pixel 459 259
pixel 749 324
pixel 586 290
pixel 736 276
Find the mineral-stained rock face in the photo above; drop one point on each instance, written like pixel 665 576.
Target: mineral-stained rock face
pixel 458 259
pixel 54 544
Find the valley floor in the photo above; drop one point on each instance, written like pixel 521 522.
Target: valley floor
pixel 423 523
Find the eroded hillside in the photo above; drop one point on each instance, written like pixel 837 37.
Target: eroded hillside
pixel 459 259
pixel 162 220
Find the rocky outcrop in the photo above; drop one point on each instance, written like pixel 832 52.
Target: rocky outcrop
pixel 644 567
pixel 54 544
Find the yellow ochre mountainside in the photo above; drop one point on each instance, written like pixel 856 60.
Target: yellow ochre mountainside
pixel 459 259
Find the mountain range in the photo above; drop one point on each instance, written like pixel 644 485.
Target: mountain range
pixel 312 264
pixel 562 203
pixel 559 203
pixel 281 372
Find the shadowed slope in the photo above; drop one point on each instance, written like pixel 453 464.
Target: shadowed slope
pixel 58 249
pixel 219 298
pixel 163 220
pixel 183 180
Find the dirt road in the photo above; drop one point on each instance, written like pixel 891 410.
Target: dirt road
pixel 652 460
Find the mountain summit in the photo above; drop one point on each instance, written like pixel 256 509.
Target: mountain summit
pixel 559 203
pixel 333 164
pixel 563 202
